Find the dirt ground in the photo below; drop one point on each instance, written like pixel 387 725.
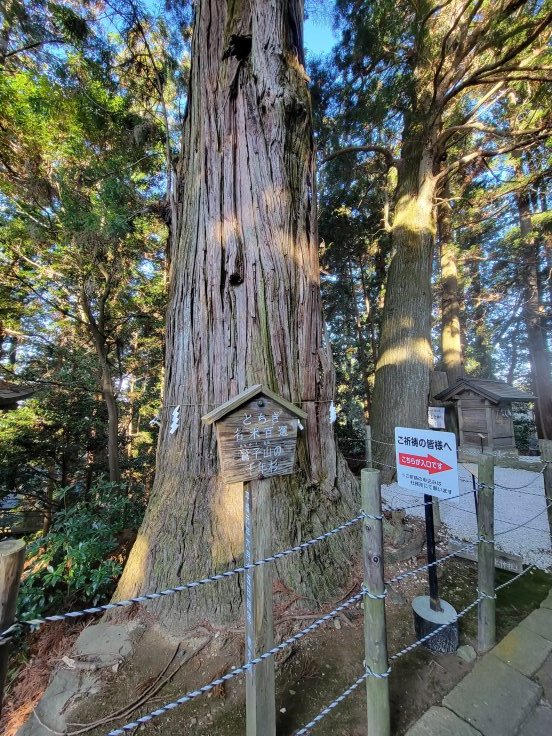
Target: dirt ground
pixel 309 675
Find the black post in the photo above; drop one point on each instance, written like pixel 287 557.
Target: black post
pixel 435 603
pixel 474 486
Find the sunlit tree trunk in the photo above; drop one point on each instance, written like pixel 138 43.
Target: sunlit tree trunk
pixel 361 342
pixel 534 318
pixel 451 339
pixel 482 348
pixel 405 357
pixel 244 308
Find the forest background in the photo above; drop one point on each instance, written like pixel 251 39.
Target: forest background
pixel 93 98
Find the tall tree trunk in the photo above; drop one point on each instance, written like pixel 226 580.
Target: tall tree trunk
pixel 362 352
pixel 108 394
pixel 97 329
pixel 482 350
pixel 451 339
pixel 405 357
pixel 533 315
pixel 244 308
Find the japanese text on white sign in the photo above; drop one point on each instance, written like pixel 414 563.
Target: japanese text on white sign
pixel 427 462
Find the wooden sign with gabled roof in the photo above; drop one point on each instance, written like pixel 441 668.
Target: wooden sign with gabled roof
pixel 257 435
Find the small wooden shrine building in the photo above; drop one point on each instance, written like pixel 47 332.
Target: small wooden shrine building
pixel 484 410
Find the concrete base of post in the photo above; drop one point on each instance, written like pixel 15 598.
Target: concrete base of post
pixel 427 620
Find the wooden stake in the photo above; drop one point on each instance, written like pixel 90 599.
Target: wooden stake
pixel 12 556
pixel 546 455
pixel 368 440
pixel 375 635
pixel 486 631
pixel 259 628
pixel 435 507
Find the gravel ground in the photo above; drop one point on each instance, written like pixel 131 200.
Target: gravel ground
pixel 512 507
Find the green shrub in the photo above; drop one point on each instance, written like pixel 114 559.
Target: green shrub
pixel 74 564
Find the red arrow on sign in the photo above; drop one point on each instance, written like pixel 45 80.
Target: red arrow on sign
pixel 429 463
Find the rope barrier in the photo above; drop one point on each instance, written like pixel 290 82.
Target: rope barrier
pixel 514 488
pixel 192 694
pixel 8 634
pixel 524 525
pixel 345 694
pixel 527 521
pixel 368 673
pixel 406 650
pixel 407 574
pixel 37 622
pixel 429 503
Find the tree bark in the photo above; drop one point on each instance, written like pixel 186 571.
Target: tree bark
pixel 533 315
pixel 244 308
pixel 405 357
pixel 482 349
pixel 108 394
pixel 96 329
pixel 361 342
pixel 451 340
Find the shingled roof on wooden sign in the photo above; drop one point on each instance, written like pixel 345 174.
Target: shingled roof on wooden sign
pixel 256 435
pixel 10 394
pixel 244 397
pixel 497 392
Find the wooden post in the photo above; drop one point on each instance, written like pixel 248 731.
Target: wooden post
pixel 486 554
pixel 375 635
pixel 12 556
pixel 436 509
pixel 546 455
pixel 259 628
pixel 368 440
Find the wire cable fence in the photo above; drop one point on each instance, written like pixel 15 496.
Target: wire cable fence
pixel 355 599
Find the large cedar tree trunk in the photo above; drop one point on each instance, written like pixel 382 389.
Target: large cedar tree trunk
pixel 244 308
pixel 482 347
pixel 533 315
pixel 405 357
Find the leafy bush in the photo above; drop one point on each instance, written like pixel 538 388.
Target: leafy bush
pixel 75 564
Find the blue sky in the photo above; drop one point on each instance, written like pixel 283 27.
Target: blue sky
pixel 319 35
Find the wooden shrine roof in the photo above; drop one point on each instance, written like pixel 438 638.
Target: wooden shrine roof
pixel 496 391
pixel 10 394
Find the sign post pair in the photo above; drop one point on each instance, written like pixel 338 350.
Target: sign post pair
pixel 427 464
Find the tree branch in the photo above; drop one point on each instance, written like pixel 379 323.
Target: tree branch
pixel 481 128
pixel 499 63
pixel 490 153
pixel 385 152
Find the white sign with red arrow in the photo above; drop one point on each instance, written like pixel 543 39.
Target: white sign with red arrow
pixel 427 461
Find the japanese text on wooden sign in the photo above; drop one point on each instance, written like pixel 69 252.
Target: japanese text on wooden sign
pixel 427 462
pixel 257 441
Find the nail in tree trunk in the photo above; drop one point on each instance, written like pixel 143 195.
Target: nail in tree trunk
pixel 244 308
